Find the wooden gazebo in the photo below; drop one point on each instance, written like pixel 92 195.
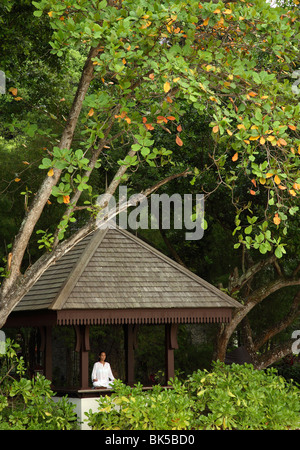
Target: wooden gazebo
pixel 113 277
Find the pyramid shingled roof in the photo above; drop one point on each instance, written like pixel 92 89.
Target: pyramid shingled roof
pixel 113 270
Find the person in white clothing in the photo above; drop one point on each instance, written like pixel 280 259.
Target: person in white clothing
pixel 102 376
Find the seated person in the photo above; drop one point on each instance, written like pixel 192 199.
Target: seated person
pixel 102 375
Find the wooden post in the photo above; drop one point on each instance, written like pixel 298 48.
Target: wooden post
pixel 83 346
pixel 170 344
pixel 130 343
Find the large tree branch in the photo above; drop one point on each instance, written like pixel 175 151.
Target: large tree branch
pixel 40 199
pixel 281 325
pixel 266 359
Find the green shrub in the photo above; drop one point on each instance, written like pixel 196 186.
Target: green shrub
pixel 239 397
pixel 229 397
pixel 133 409
pixel 27 404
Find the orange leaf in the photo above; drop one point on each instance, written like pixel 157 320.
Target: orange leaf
pixel 179 141
pixel 151 76
pixel 277 179
pixel 253 182
pixel 252 192
pixel 235 157
pixel 282 141
pixel 171 118
pixel 215 128
pixel 179 128
pixel 205 23
pixel 91 112
pixel 149 126
pixel 66 199
pixel 17 180
pixel 292 127
pixel 144 119
pixel 276 219
pixel 252 94
pixel 14 91
pixel 169 100
pixel 296 186
pixel 161 119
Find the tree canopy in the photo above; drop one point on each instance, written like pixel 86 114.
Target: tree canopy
pixel 115 92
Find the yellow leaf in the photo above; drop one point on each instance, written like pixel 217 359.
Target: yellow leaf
pixel 167 86
pixel 296 186
pixel 271 138
pixel 91 112
pixel 217 11
pixel 281 187
pixel 292 192
pixel 269 175
pixel 205 23
pixel 230 77
pixel 215 129
pixel 253 138
pixel 18 99
pixel 17 180
pixel 229 132
pixel 262 180
pixel 241 126
pixel 227 11
pixel 50 173
pixel 235 157
pixel 277 179
pixel 262 140
pixel 176 79
pixel 50 13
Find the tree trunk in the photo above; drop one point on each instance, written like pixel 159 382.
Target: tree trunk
pixel 255 298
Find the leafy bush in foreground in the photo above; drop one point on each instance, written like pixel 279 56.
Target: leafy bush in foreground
pixel 229 397
pixel 27 404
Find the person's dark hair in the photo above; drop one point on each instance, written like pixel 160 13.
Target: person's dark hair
pixel 99 354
